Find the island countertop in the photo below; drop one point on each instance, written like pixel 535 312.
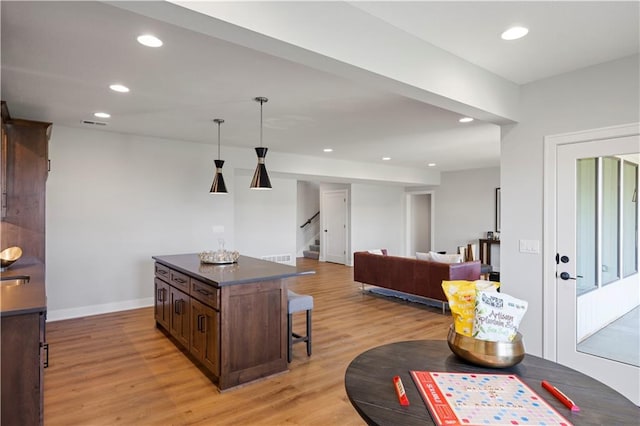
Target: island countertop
pixel 245 270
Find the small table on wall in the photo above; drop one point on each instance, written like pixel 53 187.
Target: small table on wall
pixel 369 386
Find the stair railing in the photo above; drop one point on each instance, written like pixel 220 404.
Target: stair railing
pixel 309 220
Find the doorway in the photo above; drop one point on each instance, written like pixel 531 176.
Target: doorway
pixel 334 218
pixel 419 222
pixel 591 260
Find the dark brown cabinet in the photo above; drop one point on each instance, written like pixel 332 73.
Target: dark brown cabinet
pixel 187 309
pixel 180 323
pixel 24 175
pixel 3 161
pixel 237 328
pixel 24 353
pixel 204 336
pixel 162 304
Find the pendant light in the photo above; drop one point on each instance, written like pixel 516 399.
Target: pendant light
pixel 218 186
pixel 260 177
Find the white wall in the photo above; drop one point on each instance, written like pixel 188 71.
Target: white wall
pixel 464 208
pixel 598 96
pixel 113 201
pixel 377 218
pixel 265 221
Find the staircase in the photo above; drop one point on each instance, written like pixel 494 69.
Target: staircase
pixel 313 252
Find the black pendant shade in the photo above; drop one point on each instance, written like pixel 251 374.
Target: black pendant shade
pixel 260 177
pixel 218 186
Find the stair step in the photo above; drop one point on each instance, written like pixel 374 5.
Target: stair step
pixel 309 254
pixel 314 247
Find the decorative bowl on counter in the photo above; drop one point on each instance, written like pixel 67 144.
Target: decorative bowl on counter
pixel 486 353
pixel 9 255
pixel 219 257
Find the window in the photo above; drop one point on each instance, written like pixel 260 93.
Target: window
pixel 610 220
pixel 607 221
pixel 629 218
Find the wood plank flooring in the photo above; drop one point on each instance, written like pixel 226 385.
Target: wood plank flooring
pixel 118 369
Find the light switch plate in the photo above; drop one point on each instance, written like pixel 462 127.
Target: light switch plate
pixel 529 246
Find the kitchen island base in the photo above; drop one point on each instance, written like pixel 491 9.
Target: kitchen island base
pixel 231 319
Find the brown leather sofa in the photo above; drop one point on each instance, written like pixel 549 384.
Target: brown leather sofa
pixel 419 277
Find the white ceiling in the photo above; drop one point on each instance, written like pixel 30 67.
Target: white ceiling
pixel 564 35
pixel 58 59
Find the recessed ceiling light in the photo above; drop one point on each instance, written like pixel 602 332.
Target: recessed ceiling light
pixel 386 158
pixel 328 150
pixel 119 88
pixel 466 120
pixel 102 115
pixel 514 33
pixel 431 164
pixel 149 40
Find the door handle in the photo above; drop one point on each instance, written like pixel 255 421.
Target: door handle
pixel 566 276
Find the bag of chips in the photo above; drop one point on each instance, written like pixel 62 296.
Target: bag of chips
pixel 461 296
pixel 497 316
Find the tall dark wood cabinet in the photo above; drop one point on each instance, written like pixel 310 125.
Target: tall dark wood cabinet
pixel 23 350
pixel 24 171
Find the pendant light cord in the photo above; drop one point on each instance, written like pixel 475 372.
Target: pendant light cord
pixel 218 140
pixel 261 123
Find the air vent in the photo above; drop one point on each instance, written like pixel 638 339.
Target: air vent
pixel 279 258
pixel 94 123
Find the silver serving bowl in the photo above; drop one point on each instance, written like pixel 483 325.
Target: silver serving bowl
pixel 9 255
pixel 484 352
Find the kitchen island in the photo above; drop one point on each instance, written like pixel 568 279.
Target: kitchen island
pixel 231 319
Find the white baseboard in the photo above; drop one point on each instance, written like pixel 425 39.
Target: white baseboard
pixel 85 311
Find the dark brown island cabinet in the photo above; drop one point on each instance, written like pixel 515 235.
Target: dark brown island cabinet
pixel 230 319
pixel 23 348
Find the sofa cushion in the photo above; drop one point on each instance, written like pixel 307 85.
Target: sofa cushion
pixel 383 252
pixel 445 258
pixel 423 256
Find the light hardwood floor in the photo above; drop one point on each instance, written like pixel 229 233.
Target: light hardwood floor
pixel 118 369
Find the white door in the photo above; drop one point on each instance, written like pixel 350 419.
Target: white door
pixel 334 226
pixel 597 281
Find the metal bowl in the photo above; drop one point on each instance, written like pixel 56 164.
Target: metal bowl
pixel 484 352
pixel 9 255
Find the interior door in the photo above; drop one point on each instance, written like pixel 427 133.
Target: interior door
pixel 334 226
pixel 597 282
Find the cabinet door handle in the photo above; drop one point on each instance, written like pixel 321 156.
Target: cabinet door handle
pixel 203 292
pixel 159 295
pixel 176 307
pixel 179 280
pixel 45 346
pixel 164 294
pixel 162 272
pixel 200 317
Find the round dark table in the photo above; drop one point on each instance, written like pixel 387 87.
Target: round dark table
pixel 369 385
